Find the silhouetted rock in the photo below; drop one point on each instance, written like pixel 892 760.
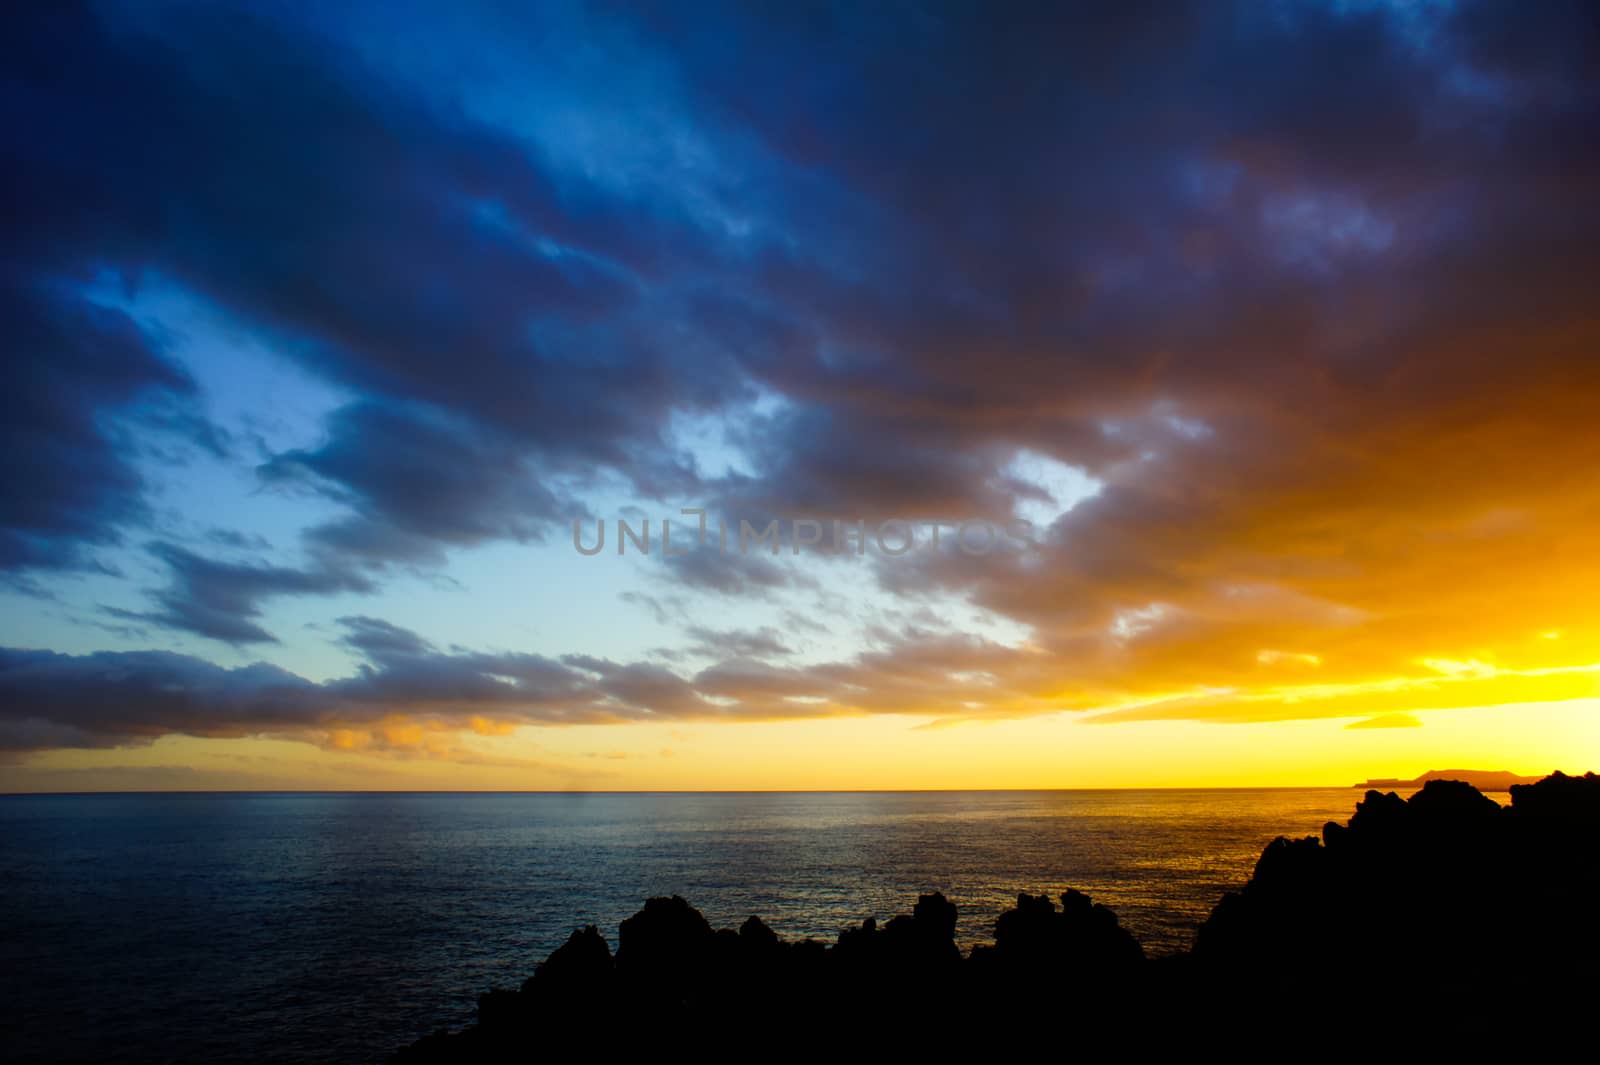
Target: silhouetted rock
pixel 667 939
pixel 1449 881
pixel 1558 798
pixel 1446 905
pixel 926 940
pixel 756 936
pixel 1082 939
pixel 582 963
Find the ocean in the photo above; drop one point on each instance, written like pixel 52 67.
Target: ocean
pixel 338 927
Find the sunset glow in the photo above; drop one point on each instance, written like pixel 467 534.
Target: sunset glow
pixel 322 337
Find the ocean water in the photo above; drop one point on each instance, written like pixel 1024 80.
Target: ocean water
pixel 338 927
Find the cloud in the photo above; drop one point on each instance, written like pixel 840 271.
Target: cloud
pixel 221 600
pixel 734 572
pixel 380 641
pixel 490 314
pixel 81 378
pixel 408 694
pixel 114 698
pixel 417 480
pixel 1304 293
pixel 765 642
pixel 1387 721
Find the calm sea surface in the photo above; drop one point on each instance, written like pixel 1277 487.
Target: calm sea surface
pixel 338 927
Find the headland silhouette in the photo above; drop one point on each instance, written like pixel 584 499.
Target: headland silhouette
pixel 1482 779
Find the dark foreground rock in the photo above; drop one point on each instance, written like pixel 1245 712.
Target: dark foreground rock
pixel 1443 919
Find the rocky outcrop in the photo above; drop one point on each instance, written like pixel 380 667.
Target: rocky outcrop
pixel 1449 881
pixel 1485 914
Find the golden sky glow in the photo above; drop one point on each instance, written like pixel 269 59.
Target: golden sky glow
pixel 871 753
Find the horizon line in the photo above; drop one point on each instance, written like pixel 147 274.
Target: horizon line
pixel 703 791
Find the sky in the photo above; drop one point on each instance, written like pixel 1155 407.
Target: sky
pixel 1245 358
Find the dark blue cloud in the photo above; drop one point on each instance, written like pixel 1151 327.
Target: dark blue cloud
pixel 121 698
pixel 112 699
pixel 942 234
pixel 379 640
pixel 423 260
pixel 417 479
pixel 222 600
pixel 81 380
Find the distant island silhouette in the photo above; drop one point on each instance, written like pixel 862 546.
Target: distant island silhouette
pixel 1444 916
pixel 1482 779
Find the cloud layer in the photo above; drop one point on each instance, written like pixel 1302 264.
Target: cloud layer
pixel 1303 291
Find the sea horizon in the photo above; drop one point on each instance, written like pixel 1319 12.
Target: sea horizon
pixel 718 791
pixel 403 907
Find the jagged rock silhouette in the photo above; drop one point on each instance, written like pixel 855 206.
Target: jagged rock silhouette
pixel 1447 890
pixel 1448 879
